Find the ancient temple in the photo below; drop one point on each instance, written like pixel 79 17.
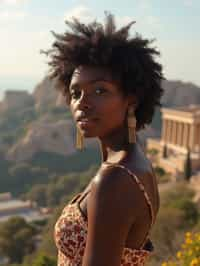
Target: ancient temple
pixel 180 134
pixel 181 128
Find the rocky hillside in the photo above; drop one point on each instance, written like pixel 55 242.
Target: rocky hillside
pixel 46 136
pixel 45 94
pixel 41 122
pixel 178 93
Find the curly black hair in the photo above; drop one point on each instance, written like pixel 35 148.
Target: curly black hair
pixel 132 59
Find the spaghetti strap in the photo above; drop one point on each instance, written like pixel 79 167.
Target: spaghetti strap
pixel 146 196
pixel 83 195
pixel 78 197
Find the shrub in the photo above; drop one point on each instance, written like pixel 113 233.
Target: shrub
pixel 189 254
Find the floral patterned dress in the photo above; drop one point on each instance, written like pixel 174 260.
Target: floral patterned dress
pixel 71 232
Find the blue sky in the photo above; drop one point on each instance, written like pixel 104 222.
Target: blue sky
pixel 25 29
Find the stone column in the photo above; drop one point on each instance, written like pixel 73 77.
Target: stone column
pixel 168 130
pixel 174 132
pixel 178 136
pixel 178 133
pixel 185 134
pixel 196 137
pixel 164 128
pixel 183 127
pixel 191 141
pixel 181 134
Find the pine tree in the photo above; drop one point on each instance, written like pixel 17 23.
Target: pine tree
pixel 165 151
pixel 188 166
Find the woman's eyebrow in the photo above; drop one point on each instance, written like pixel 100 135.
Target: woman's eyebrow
pixel 79 84
pixel 101 80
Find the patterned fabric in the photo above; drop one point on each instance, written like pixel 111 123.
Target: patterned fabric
pixel 70 238
pixel 71 232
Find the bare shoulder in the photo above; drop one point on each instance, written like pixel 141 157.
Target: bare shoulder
pixel 114 188
pixel 114 205
pixel 112 210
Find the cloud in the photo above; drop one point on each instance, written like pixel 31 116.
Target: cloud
pixel 12 2
pixel 81 12
pixel 188 3
pixel 7 16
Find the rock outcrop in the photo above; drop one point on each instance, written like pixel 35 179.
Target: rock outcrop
pixel 178 93
pixel 44 136
pixel 46 95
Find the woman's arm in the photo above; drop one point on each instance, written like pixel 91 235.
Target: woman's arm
pixel 112 208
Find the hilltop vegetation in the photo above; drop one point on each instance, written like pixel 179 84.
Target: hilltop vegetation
pixel 20 177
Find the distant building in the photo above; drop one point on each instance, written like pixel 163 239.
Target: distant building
pixel 180 133
pixel 16 99
pixel 13 207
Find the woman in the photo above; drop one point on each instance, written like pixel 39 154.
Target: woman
pixel 112 84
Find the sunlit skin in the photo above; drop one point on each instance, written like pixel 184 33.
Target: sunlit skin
pixel 115 208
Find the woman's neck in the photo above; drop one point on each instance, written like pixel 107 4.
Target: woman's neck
pixel 115 147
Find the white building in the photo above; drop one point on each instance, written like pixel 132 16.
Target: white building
pixel 13 207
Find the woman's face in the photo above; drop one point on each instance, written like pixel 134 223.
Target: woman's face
pixel 98 106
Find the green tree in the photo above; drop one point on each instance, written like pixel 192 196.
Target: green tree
pixel 37 194
pixel 159 171
pixel 189 209
pixel 44 260
pixel 188 166
pixel 16 239
pixel 165 151
pixel 26 175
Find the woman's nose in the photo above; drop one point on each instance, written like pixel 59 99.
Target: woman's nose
pixel 84 101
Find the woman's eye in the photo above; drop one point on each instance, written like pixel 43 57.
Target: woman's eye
pixel 75 94
pixel 99 90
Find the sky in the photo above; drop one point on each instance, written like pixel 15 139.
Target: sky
pixel 26 25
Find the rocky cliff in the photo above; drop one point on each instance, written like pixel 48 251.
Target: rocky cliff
pixel 178 93
pixel 45 94
pixel 44 135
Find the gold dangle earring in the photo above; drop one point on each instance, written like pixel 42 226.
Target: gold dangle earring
pixel 79 139
pixel 131 125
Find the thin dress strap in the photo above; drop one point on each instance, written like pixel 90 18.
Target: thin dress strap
pixel 146 196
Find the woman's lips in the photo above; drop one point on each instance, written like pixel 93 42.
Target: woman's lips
pixel 85 122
